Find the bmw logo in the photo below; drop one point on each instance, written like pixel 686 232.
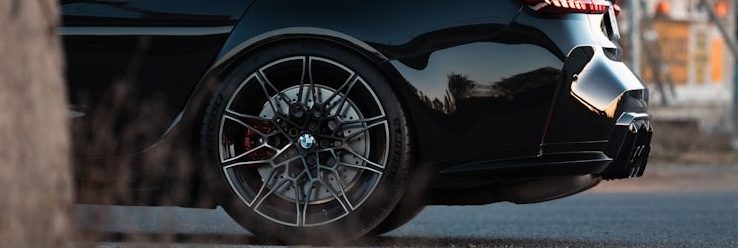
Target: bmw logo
pixel 307 141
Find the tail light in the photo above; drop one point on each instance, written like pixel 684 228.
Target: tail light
pixel 569 6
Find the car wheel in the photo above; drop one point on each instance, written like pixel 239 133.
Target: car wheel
pixel 401 215
pixel 306 142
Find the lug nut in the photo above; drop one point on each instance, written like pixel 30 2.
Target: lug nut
pixel 293 132
pixel 313 126
pixel 333 125
pixel 296 111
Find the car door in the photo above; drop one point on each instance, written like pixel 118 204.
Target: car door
pixel 132 64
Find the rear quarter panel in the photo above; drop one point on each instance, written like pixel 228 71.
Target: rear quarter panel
pixel 419 45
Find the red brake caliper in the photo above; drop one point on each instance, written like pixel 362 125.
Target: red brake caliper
pixel 253 139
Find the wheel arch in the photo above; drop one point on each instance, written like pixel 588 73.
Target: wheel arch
pixel 228 59
pixel 188 125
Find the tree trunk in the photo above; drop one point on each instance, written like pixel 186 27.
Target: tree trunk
pixel 36 183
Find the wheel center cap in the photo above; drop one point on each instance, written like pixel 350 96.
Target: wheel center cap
pixel 307 141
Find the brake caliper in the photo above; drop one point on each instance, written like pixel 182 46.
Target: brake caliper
pixel 252 139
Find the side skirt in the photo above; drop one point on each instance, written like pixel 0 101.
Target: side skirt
pixel 516 191
pixel 548 165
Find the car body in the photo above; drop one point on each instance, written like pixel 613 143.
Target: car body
pixel 504 103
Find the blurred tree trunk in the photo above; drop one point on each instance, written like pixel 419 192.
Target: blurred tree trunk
pixel 36 185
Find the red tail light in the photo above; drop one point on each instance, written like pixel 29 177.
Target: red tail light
pixel 569 6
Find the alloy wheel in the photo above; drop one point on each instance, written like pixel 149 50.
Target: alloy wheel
pixel 303 141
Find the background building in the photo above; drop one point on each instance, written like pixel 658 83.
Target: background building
pixel 695 64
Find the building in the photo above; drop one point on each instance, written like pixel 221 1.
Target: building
pixel 696 63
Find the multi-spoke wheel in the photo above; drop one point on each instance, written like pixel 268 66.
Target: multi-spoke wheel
pixel 309 142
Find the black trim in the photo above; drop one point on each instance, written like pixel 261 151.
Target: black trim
pixel 557 164
pixel 140 31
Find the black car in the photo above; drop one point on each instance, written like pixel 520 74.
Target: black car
pixel 323 121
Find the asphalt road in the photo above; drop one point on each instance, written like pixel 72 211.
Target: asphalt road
pixel 594 219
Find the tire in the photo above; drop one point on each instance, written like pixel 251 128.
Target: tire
pixel 412 203
pixel 300 162
pixel 401 215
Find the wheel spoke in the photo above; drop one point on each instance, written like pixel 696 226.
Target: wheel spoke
pixel 362 167
pixel 364 129
pixel 237 160
pixel 330 137
pixel 316 185
pixel 344 97
pixel 307 195
pixel 311 89
pixel 287 161
pixel 350 81
pixel 375 167
pixel 302 79
pixel 297 202
pixel 266 94
pixel 365 159
pixel 264 81
pixel 260 197
pixel 332 151
pixel 261 190
pixel 367 121
pixel 243 119
pixel 339 196
pixel 342 189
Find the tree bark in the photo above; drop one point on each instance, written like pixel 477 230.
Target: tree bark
pixel 36 182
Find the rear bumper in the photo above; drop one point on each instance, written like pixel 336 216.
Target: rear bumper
pixel 552 175
pixel 630 146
